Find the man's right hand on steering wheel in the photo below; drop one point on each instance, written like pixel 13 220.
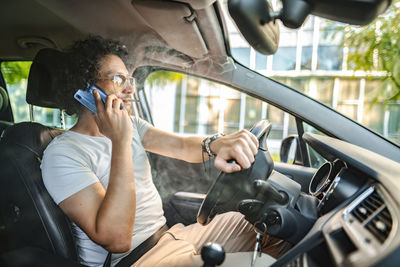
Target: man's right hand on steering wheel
pixel 241 147
pixel 236 181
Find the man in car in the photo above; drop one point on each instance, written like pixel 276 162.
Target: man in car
pixel 99 174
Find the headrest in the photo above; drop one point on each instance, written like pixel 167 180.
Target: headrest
pixel 3 99
pixel 49 72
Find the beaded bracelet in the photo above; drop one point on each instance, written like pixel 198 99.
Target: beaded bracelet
pixel 206 144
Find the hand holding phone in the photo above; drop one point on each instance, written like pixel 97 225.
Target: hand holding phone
pixel 113 120
pixel 86 97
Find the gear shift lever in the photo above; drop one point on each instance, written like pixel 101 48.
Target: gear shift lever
pixel 212 254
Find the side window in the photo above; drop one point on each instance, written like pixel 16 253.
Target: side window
pixel 16 74
pixel 190 105
pixel 316 160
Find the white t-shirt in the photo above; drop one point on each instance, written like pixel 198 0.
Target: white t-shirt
pixel 73 161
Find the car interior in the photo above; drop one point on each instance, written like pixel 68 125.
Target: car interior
pixel 343 213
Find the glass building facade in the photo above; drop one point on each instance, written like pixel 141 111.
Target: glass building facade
pixel 312 61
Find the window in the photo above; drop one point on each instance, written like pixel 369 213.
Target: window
pixel 213 115
pixel 314 59
pixel 373 111
pixel 16 77
pixel 372 116
pixel 284 59
pixel 306 57
pixel 301 84
pixel 242 55
pixel 261 61
pixel 329 57
pixel 394 122
pixel 231 109
pixel 324 90
pixel 190 105
pixel 316 160
pixel 276 117
pixel 349 91
pixel 254 109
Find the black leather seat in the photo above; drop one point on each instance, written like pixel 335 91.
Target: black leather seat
pixel 33 229
pixel 4 104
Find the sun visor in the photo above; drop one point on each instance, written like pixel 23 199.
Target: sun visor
pixel 176 24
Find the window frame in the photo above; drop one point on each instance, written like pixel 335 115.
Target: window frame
pixel 146 111
pixel 6 115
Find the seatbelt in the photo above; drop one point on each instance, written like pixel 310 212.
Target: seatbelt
pixel 107 262
pixel 139 251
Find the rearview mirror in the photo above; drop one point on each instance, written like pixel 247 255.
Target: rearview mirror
pixel 358 12
pixel 256 19
pixel 251 18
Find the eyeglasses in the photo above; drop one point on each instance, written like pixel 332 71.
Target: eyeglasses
pixel 121 81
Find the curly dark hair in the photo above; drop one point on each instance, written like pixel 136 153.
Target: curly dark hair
pixel 84 59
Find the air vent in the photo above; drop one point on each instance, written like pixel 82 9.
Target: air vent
pixel 373 214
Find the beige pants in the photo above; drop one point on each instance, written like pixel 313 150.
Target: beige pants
pixel 181 245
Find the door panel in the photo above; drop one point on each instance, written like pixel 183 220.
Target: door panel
pixel 172 175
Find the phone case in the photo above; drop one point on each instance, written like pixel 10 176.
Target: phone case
pixel 86 97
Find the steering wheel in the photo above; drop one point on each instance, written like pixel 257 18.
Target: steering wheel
pixel 230 188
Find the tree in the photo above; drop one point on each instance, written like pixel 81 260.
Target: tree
pixel 161 78
pixel 15 71
pixel 376 47
pixel 15 74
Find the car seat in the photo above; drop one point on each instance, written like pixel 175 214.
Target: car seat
pixel 4 103
pixel 33 229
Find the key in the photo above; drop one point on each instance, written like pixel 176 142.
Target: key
pixel 257 249
pixel 259 238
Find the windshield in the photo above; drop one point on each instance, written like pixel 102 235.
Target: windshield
pixel 354 70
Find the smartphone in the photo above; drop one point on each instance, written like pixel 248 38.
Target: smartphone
pixel 86 97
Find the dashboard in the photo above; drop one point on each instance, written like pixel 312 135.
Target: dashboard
pixel 333 183
pixel 358 193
